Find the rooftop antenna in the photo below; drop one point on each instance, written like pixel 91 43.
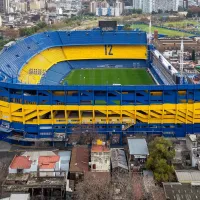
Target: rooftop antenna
pixel 150 35
pixel 181 61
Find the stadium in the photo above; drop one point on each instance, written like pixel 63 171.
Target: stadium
pixel 58 85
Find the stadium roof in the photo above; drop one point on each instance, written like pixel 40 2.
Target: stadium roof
pixel 137 146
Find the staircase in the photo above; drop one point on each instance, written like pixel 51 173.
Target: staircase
pixel 126 126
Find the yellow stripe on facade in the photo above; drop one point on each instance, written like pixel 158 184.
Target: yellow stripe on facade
pixel 88 114
pixel 39 64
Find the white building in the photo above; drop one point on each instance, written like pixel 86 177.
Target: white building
pixel 4 6
pixel 149 6
pixel 93 6
pixel 104 9
pixel 100 158
pixel 193 145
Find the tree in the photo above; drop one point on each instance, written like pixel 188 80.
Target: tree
pixel 160 159
pixel 99 186
pixel 193 55
pixel 93 188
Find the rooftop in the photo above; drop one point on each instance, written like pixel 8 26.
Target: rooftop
pixel 181 191
pixel 46 182
pixel 188 176
pixel 137 146
pixel 17 177
pixel 19 196
pixel 192 137
pixel 98 175
pixel 48 162
pixel 21 162
pixel 79 159
pixel 64 160
pixel 34 155
pixel 118 158
pixel 100 148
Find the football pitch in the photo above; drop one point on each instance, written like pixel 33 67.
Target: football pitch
pixel 109 76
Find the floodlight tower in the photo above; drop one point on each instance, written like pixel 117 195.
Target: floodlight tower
pixel 181 61
pixel 150 34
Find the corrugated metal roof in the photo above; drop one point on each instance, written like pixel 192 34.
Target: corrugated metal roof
pixel 118 158
pixel 188 176
pixel 64 160
pixel 137 146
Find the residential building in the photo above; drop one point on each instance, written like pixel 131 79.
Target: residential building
pixel 79 163
pixel 163 44
pixel 149 6
pixel 105 9
pixel 4 6
pixel 193 145
pixel 183 191
pixel 39 172
pixel 100 158
pixel 138 152
pixel 45 163
pixel 93 6
pixel 118 161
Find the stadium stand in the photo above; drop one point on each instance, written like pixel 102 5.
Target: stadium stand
pixel 55 74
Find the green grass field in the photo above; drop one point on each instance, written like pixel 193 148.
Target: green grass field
pixel 125 76
pixel 170 33
pixel 181 24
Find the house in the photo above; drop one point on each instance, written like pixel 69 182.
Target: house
pixel 118 161
pixel 45 163
pixel 79 163
pixel 20 164
pixel 181 191
pixel 193 145
pixel 138 152
pixel 100 158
